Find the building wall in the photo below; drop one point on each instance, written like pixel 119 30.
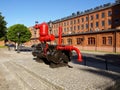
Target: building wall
pixel 34 38
pixel 104 19
pixel 85 23
pixel 1 43
pixel 104 41
pixel 118 42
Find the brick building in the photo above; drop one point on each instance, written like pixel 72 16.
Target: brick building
pixel 93 29
pixel 1 43
pixel 34 38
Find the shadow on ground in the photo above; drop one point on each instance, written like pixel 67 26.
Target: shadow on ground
pixel 109 62
pixel 114 77
pixel 103 62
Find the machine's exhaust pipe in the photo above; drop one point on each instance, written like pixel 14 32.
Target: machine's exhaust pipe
pixel 70 48
pixel 78 53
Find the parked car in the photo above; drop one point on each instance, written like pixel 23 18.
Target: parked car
pixel 10 45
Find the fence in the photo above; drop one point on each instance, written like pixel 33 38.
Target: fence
pixel 103 61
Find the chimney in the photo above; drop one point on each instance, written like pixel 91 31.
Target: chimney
pixel 117 1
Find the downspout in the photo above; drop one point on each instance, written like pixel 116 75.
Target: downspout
pixel 114 42
pixel 60 36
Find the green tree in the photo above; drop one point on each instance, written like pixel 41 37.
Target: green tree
pixel 18 32
pixel 3 27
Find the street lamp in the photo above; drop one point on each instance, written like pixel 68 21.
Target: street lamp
pixel 36 22
pixel 50 26
pixel 35 30
pixel 18 50
pixel 34 33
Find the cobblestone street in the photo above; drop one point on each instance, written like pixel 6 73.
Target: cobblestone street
pixel 18 71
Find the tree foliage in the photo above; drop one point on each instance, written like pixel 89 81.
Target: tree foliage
pixel 3 27
pixel 24 33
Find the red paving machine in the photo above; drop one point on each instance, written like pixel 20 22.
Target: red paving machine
pixel 53 55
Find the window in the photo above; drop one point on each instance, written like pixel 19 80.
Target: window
pixel 97 24
pixel 103 23
pixel 79 41
pixel 67 29
pixel 97 16
pixel 91 25
pixel 71 29
pixel 116 21
pixel 55 31
pixel 64 30
pixel 71 22
pixel 74 21
pixel 64 23
pixel 109 22
pixel 62 42
pixel 78 27
pixel 67 22
pixel 78 20
pixel 91 18
pixel 91 29
pixel 57 25
pixel 103 14
pixel 82 19
pixel 82 26
pixel 104 40
pixel 86 18
pixel 109 40
pixel 116 12
pixel 86 26
pixel 91 41
pixel 109 13
pixel 74 27
pixel 69 41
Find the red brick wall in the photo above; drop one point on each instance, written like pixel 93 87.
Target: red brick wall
pixel 98 46
pixel 1 43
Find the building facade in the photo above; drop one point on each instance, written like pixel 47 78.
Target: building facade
pixel 95 29
pixel 34 38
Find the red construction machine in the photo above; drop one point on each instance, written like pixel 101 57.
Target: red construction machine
pixel 53 55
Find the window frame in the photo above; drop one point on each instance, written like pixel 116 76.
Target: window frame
pixel 91 41
pixel 110 40
pixel 104 39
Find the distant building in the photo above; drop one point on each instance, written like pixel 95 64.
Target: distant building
pixel 117 1
pixel 2 43
pixel 34 38
pixel 93 29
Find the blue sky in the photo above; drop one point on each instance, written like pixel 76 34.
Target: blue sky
pixel 28 11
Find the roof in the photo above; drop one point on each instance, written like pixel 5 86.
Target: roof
pixel 91 32
pixel 88 11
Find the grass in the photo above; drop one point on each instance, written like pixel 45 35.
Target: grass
pixel 3 46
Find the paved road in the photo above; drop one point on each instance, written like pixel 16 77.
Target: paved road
pixel 21 72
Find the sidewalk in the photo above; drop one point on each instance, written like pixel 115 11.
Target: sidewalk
pixel 105 61
pixel 98 52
